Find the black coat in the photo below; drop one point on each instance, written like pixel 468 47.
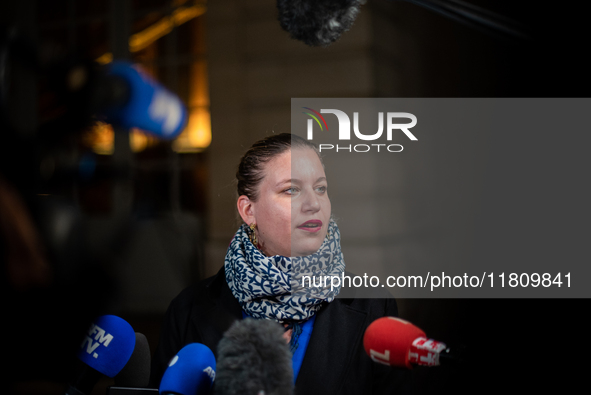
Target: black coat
pixel 335 361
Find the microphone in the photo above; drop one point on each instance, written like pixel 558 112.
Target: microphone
pixel 136 373
pixel 105 350
pixel 134 378
pixel 137 100
pixel 317 22
pixel 253 358
pixel 395 342
pixel 191 371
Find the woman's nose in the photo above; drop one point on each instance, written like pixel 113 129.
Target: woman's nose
pixel 311 202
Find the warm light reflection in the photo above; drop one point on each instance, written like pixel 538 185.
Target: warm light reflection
pixel 197 135
pixel 159 29
pixel 101 139
pixel 199 96
pixel 105 58
pixel 140 140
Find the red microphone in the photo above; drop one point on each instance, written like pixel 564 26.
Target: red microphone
pixel 395 342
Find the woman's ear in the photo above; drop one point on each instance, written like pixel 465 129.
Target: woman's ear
pixel 246 209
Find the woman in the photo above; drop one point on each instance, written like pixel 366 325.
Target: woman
pixel 287 233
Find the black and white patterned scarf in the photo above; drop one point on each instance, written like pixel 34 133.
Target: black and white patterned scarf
pixel 274 287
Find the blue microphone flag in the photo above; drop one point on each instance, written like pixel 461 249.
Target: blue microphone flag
pixel 191 371
pixel 108 345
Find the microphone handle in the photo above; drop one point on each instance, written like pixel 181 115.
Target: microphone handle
pixel 475 17
pixel 85 382
pixel 71 390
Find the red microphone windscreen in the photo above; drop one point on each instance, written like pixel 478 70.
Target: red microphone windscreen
pixel 388 341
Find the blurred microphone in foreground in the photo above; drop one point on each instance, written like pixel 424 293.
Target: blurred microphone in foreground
pixel 254 359
pixel 105 350
pixel 137 100
pixel 395 342
pixel 191 371
pixel 134 378
pixel 318 22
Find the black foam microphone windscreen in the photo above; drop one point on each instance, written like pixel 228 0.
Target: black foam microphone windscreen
pixel 317 22
pixel 136 373
pixel 254 358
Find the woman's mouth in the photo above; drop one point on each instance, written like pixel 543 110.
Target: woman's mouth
pixel 314 225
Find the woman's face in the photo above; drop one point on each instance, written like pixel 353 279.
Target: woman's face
pixel 293 209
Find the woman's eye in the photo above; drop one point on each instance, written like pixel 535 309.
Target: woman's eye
pixel 321 189
pixel 291 191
